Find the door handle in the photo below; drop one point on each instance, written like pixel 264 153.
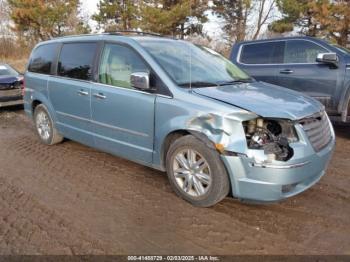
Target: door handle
pixel 99 96
pixel 286 71
pixel 83 93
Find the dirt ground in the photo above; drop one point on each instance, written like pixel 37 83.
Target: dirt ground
pixel 71 199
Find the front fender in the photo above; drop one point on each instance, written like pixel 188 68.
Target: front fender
pixel 218 127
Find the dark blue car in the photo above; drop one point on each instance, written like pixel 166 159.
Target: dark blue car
pixel 11 83
pixel 305 64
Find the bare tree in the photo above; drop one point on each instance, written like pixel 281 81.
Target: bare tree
pixel 265 9
pixel 4 19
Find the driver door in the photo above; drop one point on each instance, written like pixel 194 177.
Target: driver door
pixel 122 117
pixel 302 73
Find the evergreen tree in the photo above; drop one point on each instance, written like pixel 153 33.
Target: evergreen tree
pixel 235 15
pixel 173 17
pixel 117 14
pixel 244 19
pixel 43 19
pixel 322 18
pixel 296 13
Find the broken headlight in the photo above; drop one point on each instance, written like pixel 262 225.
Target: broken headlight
pixel 271 135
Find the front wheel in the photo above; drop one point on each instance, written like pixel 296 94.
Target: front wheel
pixel 196 172
pixel 45 127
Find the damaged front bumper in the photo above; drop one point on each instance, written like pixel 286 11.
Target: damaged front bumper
pixel 277 180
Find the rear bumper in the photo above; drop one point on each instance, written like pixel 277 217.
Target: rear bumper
pixel 279 180
pixel 10 97
pixel 11 103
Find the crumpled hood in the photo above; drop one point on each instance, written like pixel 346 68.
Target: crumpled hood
pixel 264 99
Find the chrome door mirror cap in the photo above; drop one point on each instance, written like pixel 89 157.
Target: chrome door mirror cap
pixel 328 58
pixel 140 80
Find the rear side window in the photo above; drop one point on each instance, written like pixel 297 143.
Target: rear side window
pixel 76 60
pixel 300 51
pixel 42 59
pixel 262 53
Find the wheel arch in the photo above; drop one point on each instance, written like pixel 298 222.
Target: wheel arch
pixel 172 136
pixel 344 105
pixel 38 99
pixel 34 104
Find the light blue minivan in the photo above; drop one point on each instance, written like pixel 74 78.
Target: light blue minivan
pixel 179 108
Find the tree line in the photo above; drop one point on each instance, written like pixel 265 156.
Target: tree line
pixel 36 20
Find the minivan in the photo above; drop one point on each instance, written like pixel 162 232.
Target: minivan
pixel 179 108
pixel 309 65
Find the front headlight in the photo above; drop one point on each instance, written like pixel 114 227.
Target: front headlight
pixel 271 135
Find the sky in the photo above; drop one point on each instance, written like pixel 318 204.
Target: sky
pixel 90 6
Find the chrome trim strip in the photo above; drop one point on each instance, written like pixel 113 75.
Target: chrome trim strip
pixel 120 129
pixel 73 116
pixel 165 96
pixel 72 79
pixel 124 88
pixel 28 89
pixel 262 165
pixel 103 124
pixel 106 85
pixel 260 42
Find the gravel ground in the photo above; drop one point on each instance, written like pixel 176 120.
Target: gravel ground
pixel 71 199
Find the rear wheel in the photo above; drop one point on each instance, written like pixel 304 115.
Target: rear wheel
pixel 44 126
pixel 196 172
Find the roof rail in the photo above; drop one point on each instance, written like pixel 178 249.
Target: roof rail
pixel 121 32
pixel 69 36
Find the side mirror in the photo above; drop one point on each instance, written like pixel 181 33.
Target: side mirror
pixel 140 80
pixel 328 58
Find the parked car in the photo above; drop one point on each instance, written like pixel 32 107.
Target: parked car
pixel 179 108
pixel 305 64
pixel 11 83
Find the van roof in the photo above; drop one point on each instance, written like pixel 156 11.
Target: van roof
pixel 107 36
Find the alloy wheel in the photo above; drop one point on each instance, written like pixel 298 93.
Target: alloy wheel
pixel 192 172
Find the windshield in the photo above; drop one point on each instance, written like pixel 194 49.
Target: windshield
pixel 191 65
pixel 6 70
pixel 342 49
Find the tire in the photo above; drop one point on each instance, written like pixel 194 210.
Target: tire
pixel 216 187
pixel 44 126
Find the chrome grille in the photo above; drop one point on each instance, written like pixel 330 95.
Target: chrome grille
pixel 318 130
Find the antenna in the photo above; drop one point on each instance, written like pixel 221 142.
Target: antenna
pixel 190 47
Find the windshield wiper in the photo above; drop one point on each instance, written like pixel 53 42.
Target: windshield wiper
pixel 236 81
pixel 198 84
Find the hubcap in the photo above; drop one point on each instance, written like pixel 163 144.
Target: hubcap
pixel 43 125
pixel 192 172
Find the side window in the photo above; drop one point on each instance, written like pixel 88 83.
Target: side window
pixel 76 60
pixel 262 53
pixel 118 62
pixel 300 51
pixel 42 59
